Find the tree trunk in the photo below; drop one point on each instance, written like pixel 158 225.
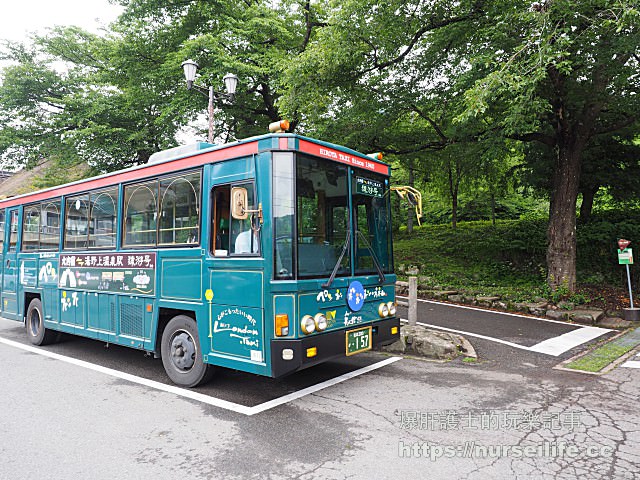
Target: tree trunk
pixel 588 194
pixel 493 209
pixel 561 233
pixel 411 184
pixel 453 191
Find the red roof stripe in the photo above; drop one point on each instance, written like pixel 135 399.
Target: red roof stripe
pixel 339 156
pixel 137 174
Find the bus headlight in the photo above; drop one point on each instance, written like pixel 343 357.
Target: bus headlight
pixel 383 310
pixel 392 308
pixel 321 322
pixel 308 324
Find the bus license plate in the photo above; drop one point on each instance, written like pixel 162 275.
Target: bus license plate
pixel 358 340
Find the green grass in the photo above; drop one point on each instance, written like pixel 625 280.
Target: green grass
pixel 599 358
pixel 508 259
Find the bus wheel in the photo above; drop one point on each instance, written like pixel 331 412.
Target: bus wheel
pixel 36 332
pixel 181 354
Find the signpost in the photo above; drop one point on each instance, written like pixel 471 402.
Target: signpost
pixel 625 257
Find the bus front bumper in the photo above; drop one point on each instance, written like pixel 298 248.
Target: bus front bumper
pixel 328 345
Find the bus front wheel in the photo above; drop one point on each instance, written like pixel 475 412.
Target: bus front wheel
pixel 36 331
pixel 181 353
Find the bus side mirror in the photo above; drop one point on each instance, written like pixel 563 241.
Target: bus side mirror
pixel 239 199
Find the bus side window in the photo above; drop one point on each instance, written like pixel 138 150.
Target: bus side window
pixel 1 229
pixel 221 207
pixel 244 240
pixel 13 231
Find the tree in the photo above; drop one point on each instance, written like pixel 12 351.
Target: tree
pixel 122 97
pixel 560 73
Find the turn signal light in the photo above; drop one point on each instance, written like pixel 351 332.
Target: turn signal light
pixel 375 156
pixel 282 325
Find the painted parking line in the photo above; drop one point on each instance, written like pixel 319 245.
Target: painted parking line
pixel 558 345
pixel 216 402
pixel 477 309
pixel 634 363
pixel 554 346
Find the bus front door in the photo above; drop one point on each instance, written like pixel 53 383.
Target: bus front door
pixel 237 314
pixel 10 267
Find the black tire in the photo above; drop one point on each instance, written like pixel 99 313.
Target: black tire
pixel 181 353
pixel 36 331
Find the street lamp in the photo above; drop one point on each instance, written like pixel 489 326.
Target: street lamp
pixel 230 83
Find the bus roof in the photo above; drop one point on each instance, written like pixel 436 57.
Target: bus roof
pixel 206 153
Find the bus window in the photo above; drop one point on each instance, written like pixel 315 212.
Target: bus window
pixel 13 236
pixel 76 223
pixel 233 236
pixel 1 229
pixel 140 207
pixel 102 221
pixel 31 228
pixel 221 206
pixel 371 200
pixel 283 215
pixel 50 225
pixel 244 240
pixel 180 210
pixel 322 199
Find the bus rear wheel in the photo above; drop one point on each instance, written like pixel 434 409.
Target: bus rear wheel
pixel 36 331
pixel 181 353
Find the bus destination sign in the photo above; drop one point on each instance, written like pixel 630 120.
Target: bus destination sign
pixel 371 188
pixel 342 157
pixel 117 273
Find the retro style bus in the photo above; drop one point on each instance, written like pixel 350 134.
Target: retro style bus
pixel 266 255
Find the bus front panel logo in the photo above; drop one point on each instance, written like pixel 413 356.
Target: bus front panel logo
pixel 355 296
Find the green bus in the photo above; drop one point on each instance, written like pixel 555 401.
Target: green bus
pixel 266 255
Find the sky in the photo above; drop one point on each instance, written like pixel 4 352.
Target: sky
pixel 20 18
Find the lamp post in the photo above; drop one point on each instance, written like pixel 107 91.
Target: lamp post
pixel 230 83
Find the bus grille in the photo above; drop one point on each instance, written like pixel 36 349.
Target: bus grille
pixel 131 320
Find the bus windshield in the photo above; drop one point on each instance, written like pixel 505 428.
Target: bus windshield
pixel 322 219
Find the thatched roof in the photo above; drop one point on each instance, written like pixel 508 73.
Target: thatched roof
pixel 28 180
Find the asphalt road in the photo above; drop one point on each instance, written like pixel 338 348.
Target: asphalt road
pixel 506 416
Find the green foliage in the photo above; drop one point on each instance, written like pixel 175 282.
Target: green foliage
pixel 509 258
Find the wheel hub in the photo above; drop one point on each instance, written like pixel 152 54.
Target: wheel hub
pixel 183 351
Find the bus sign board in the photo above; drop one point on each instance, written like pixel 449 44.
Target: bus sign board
pixel 367 186
pixel 342 157
pixel 108 272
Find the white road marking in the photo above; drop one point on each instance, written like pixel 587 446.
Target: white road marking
pixel 558 345
pixel 216 402
pixel 553 346
pixel 632 364
pixel 508 314
pixel 469 334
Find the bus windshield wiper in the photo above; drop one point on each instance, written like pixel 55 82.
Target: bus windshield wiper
pixel 373 255
pixel 345 247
